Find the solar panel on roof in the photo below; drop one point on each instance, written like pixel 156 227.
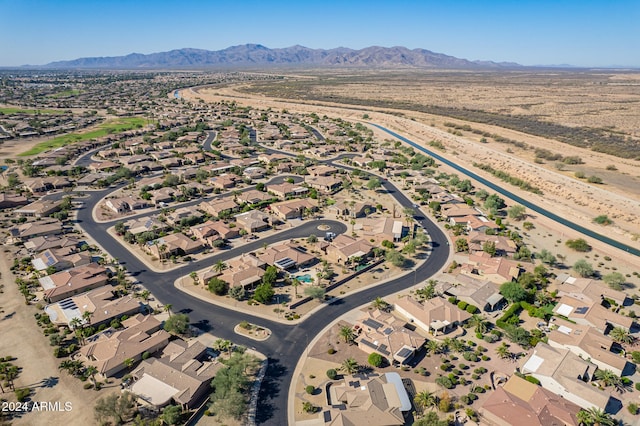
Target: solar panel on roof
pixel 582 310
pixel 50 260
pixel 388 331
pixel 368 343
pixel 285 263
pixel 372 323
pixel 404 352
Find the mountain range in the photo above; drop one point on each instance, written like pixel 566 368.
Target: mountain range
pixel 256 55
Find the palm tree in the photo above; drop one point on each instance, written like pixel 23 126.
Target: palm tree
pixel 350 366
pixel 595 416
pixel 609 378
pixel 167 308
pixel 4 366
pixel 433 347
pixel 10 374
pixel 503 351
pixel 458 345
pixel 72 367
pixel 219 266
pixel 381 304
pixel 194 277
pixel 79 332
pixel 92 371
pixel 128 363
pixel 408 217
pixel 620 335
pixel 347 334
pixel 145 294
pixel 86 317
pixel 425 399
pixel 445 345
pixel 295 283
pixel 223 345
pixel 479 323
pixel 75 323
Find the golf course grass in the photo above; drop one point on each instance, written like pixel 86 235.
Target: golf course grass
pixel 109 127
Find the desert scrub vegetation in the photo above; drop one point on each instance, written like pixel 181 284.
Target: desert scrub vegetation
pixel 603 219
pixel 605 140
pixel 506 177
pixel 578 245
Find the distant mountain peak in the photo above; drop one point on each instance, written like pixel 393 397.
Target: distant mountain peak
pixel 252 55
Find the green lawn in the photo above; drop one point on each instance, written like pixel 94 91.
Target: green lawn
pixel 65 93
pixel 110 127
pixel 14 110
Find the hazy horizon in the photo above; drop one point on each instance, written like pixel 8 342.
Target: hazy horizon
pixel 582 34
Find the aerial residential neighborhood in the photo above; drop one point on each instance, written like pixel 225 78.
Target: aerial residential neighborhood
pixel 215 263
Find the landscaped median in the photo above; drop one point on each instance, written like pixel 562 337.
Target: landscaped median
pixel 252 331
pixel 110 127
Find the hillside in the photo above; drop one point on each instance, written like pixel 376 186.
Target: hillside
pixel 254 55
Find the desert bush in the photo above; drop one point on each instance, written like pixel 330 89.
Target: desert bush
pixel 579 245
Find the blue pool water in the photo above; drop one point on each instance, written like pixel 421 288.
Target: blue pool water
pixel 306 278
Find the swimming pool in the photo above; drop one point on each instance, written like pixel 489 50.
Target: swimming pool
pixel 306 278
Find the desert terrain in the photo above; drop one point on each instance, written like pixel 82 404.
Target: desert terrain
pixel 618 196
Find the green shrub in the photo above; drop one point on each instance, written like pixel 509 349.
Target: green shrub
pixel 472 309
pixel 375 359
pixel 310 389
pixel 22 394
pixel 579 245
pixel 470 356
pixel 462 305
pixel 331 351
pixel 332 374
pixel 490 338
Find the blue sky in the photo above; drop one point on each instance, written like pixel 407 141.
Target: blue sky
pixel 576 32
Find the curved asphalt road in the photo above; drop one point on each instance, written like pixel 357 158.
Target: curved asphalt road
pixel 287 343
pixel 528 204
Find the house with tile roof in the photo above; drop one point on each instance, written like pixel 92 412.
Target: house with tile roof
pixel 565 373
pixel 181 374
pixel 286 256
pixel 108 349
pixel 73 281
pixel 102 303
pixel 361 400
pixel 588 343
pixel 526 404
pixel 382 333
pixel 433 315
